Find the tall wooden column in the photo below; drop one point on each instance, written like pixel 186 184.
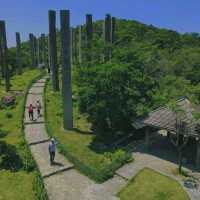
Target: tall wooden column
pixel 66 68
pixel 89 35
pixel 32 50
pixel 18 53
pixel 5 55
pixel 113 29
pixel 107 36
pixel 80 44
pixel 1 57
pixel 53 50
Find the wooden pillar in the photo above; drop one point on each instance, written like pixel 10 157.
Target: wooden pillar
pixel 71 44
pixel 31 46
pixel 18 53
pixel 89 30
pixel 89 36
pixel 35 49
pixel 113 30
pixel 107 36
pixel 198 155
pixel 53 50
pixel 1 57
pixel 80 44
pixel 66 68
pixel 75 44
pixel 5 55
pixel 147 138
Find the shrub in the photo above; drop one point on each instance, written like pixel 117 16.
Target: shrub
pixel 9 115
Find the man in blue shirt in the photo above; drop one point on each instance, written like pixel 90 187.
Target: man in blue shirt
pixel 52 150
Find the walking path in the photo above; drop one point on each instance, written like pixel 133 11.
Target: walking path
pixel 62 181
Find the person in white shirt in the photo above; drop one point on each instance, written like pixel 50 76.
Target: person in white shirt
pixel 38 107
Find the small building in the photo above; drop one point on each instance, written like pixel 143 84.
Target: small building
pixel 164 118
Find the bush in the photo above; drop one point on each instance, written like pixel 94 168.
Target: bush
pixel 9 115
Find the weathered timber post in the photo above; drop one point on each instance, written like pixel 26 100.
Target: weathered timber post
pixel 43 49
pixel 80 44
pixel 107 37
pixel 75 45
pixel 1 57
pixel 53 50
pixel 5 55
pixel 66 69
pixel 71 44
pixel 113 30
pixel 147 138
pixel 89 36
pixel 198 154
pixel 18 53
pixel 32 51
pixel 35 47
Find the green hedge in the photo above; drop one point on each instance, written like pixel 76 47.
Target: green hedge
pixel 97 175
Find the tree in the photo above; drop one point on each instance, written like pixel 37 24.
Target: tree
pixel 181 135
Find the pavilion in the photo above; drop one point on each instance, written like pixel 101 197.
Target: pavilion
pixel 163 118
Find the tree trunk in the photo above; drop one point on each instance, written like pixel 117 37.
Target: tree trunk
pixel 5 55
pixel 18 53
pixel 53 50
pixel 66 69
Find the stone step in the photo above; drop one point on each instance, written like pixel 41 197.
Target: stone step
pixel 41 155
pixel 57 171
pixel 35 133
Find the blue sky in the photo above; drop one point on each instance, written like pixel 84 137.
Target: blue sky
pixel 28 16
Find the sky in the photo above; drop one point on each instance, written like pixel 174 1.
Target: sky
pixel 31 16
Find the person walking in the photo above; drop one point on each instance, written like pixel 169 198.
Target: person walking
pixel 30 112
pixel 38 107
pixel 52 150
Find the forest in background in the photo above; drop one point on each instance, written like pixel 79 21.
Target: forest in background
pixel 149 67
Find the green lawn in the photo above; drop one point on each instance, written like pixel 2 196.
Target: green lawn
pixel 18 183
pixel 79 143
pixel 150 185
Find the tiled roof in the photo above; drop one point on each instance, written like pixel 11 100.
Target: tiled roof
pixel 165 118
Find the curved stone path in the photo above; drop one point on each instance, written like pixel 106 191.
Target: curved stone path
pixel 62 181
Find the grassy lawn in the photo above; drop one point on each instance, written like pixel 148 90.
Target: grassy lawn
pixel 15 181
pixel 150 185
pixel 80 142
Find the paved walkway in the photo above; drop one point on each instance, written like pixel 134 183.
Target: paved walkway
pixel 63 182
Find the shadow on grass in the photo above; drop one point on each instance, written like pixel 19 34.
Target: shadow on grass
pixel 82 132
pixel 3 133
pixel 9 159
